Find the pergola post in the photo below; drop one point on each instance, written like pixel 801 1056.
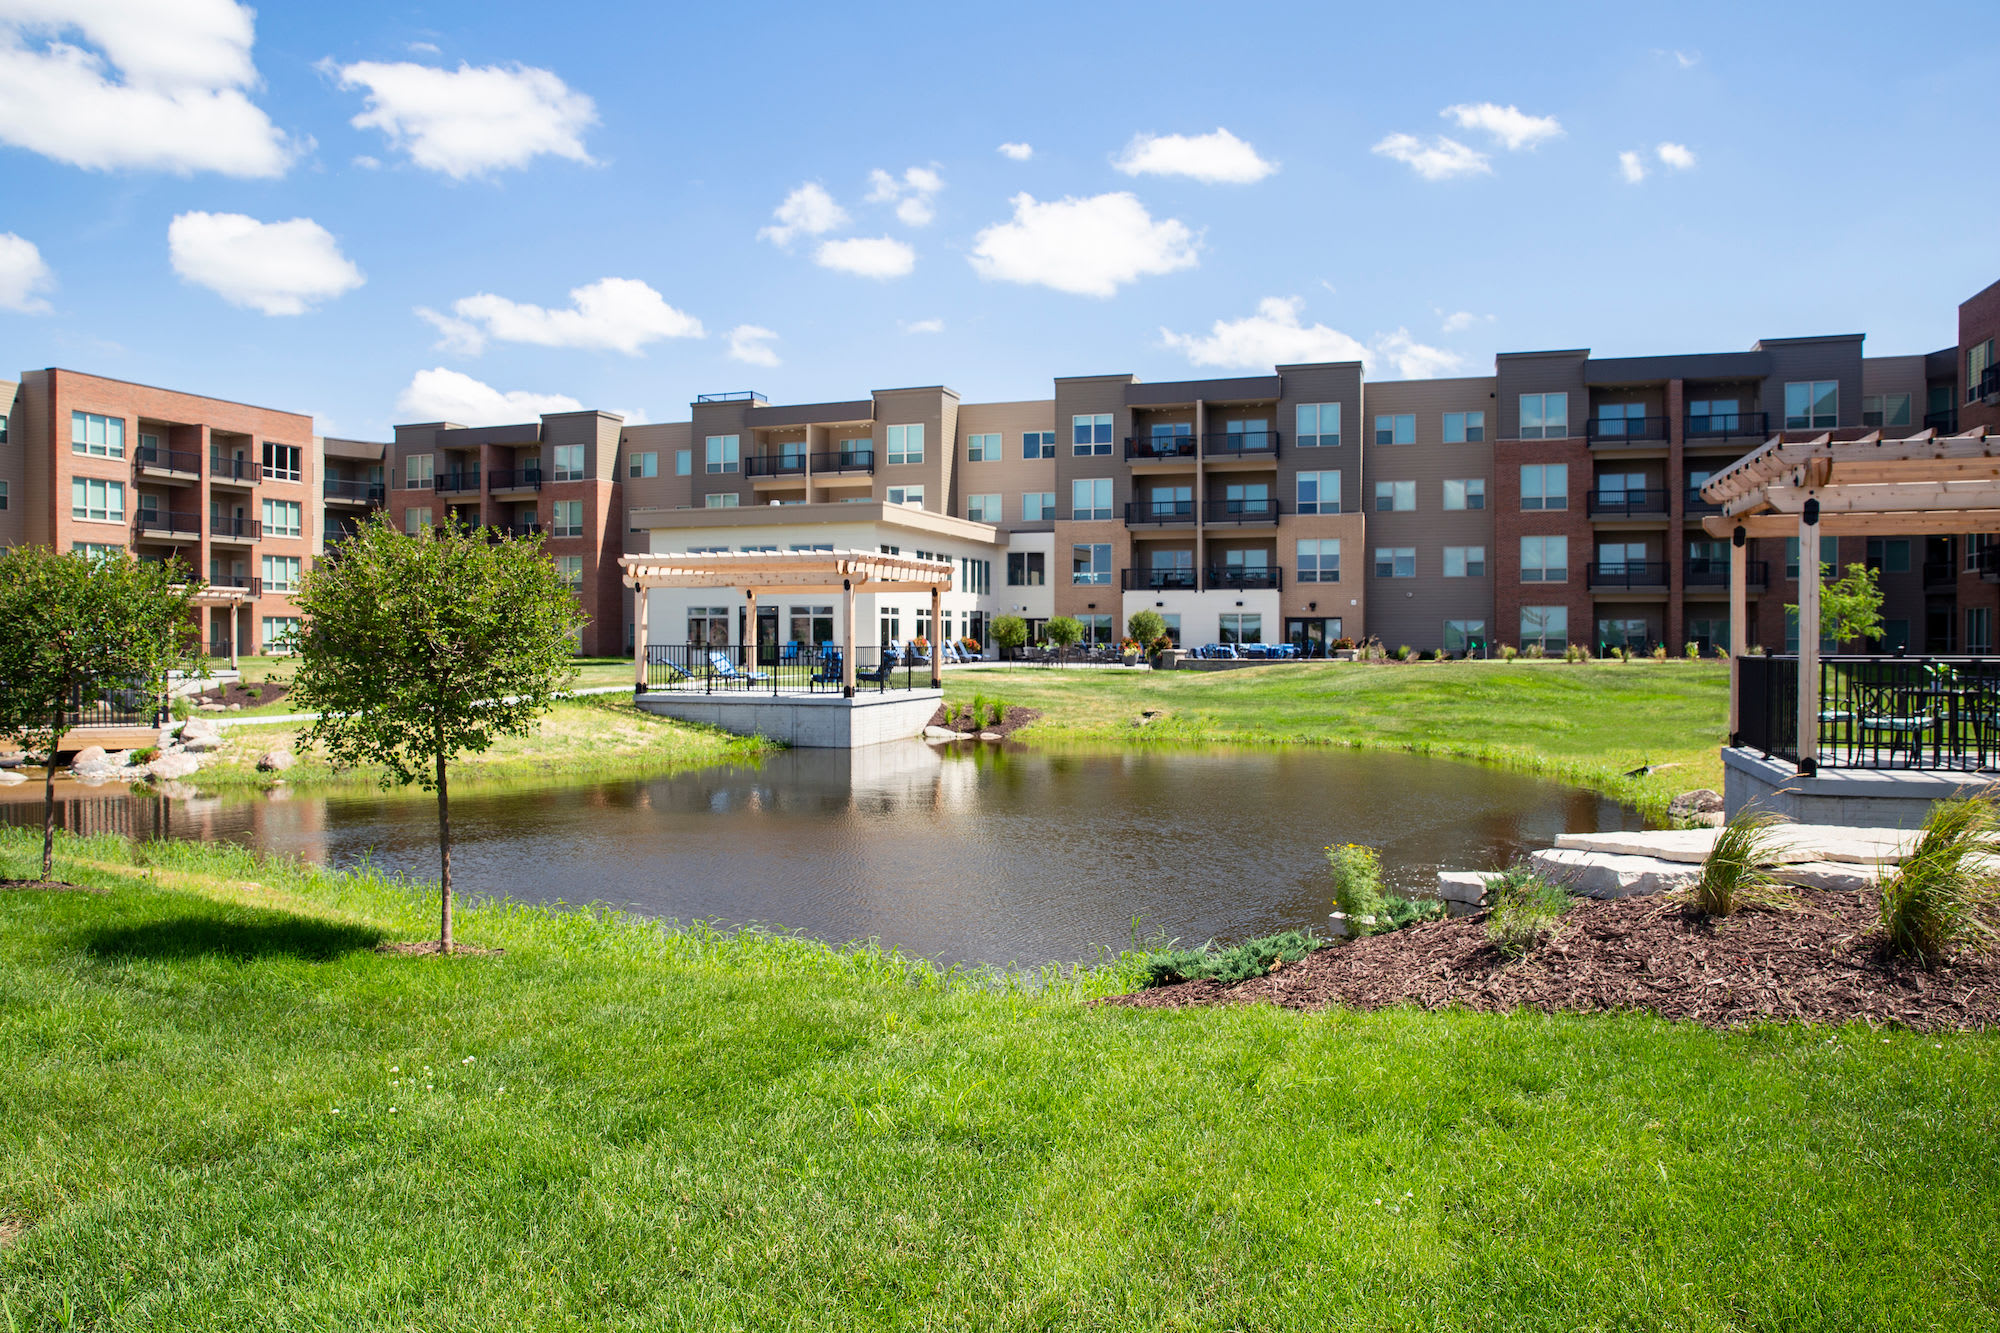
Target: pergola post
pixel 937 642
pixel 1739 624
pixel 847 639
pixel 1809 637
pixel 750 630
pixel 233 636
pixel 640 597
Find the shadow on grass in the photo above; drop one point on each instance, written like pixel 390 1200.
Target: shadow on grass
pixel 266 935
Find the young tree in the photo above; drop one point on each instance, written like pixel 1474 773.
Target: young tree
pixel 1063 632
pixel 416 649
pixel 1147 626
pixel 1850 607
pixel 1009 632
pixel 77 630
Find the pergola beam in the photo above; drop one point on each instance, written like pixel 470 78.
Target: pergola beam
pixel 1866 524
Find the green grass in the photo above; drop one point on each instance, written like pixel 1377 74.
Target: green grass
pixel 677 1131
pixel 1589 724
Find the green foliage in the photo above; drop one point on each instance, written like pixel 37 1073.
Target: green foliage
pixel 1008 631
pixel 1146 625
pixel 1734 875
pixel 1941 898
pixel 1397 912
pixel 1691 651
pixel 1524 910
pixel 145 754
pixel 1357 884
pixel 1238 962
pixel 1063 631
pixel 183 708
pixel 1850 607
pixel 996 712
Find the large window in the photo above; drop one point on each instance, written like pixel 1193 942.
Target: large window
pixel 708 626
pixel 1242 627
pixel 1090 563
pixel 1465 562
pixel 279 632
pixel 1319 425
pixel 1889 555
pixel 907 495
pixel 417 471
pixel 1829 554
pixel 1544 416
pixel 281 573
pixel 1319 560
pixel 1812 404
pixel 645 465
pixel 1546 627
pixel 1979 630
pixel 1090 435
pixel 982 448
pixel 1545 486
pixel 1038 444
pixel 566 519
pixel 1621 421
pixel 569 568
pixel 1885 409
pixel 983 508
pixel 906 444
pixel 1319 492
pixel 1395 562
pixel 1026 569
pixel 97 550
pixel 811 624
pixel 723 454
pixel 1631 632
pixel 416 519
pixel 282 462
pixel 722 500
pixel 281 518
pixel 90 498
pixel 1090 498
pixel 1468 493
pixel 100 437
pixel 1464 427
pixel 1396 428
pixel 1395 495
pixel 1714 416
pixel 1544 559
pixel 1038 506
pixel 1621 559
pixel 1978 364
pixel 569 461
pixel 1465 636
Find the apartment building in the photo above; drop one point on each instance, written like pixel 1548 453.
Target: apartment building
pixel 353 485
pixel 89 463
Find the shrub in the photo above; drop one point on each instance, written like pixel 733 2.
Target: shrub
pixel 253 693
pixel 1341 644
pixel 1398 911
pixel 1659 652
pixel 1508 652
pixel 1734 874
pixel 183 708
pixel 1063 631
pixel 1405 654
pixel 1357 883
pixel 145 754
pixel 1146 625
pixel 1691 651
pixel 1534 652
pixel 1525 912
pixel 1940 899
pixel 1238 962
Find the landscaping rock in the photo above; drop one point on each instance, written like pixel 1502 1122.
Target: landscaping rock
pixel 1609 875
pixel 197 727
pixel 174 766
pixel 1338 923
pixel 940 734
pixel 211 708
pixel 274 761
pixel 1463 892
pixel 1843 876
pixel 989 736
pixel 89 754
pixel 9 778
pixel 1700 806
pixel 204 744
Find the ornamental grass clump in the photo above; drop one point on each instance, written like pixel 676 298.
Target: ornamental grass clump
pixel 1944 897
pixel 1359 896
pixel 1527 909
pixel 1736 873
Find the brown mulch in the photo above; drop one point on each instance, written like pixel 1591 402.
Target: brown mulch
pixel 1011 721
pixel 1820 962
pixel 235 693
pixel 422 948
pixel 11 1230
pixel 47 886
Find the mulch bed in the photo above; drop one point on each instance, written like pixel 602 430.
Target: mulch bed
pixel 423 948
pixel 1012 721
pixel 235 693
pixel 47 886
pixel 1821 962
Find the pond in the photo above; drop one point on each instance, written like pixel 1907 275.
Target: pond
pixel 999 854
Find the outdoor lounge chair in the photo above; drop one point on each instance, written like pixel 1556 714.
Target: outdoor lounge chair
pixel 877 675
pixel 829 669
pixel 721 667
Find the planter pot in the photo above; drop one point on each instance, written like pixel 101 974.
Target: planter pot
pixel 1342 654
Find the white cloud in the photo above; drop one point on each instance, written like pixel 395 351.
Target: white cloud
pixel 1276 336
pixel 22 275
pixel 446 395
pixel 280 268
pixel 1087 246
pixel 424 49
pixel 1020 152
pixel 1676 155
pixel 1513 127
pixel 470 122
pixel 1440 159
pixel 611 314
pixel 1632 167
pixel 1684 59
pixel 1216 159
pixel 867 256
pixel 806 211
pixel 367 163
pixel 752 343
pixel 159 86
pixel 1412 359
pixel 1459 321
pixel 912 195
pixel 924 326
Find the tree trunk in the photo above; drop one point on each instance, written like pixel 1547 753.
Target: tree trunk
pixel 49 803
pixel 444 857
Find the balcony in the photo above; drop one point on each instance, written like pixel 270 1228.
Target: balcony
pixel 1628 504
pixel 1987 391
pixel 1158 511
pixel 514 479
pixel 1986 560
pixel 775 465
pixel 1705 572
pixel 1941 575
pixel 253 586
pixel 353 492
pixel 1159 448
pixel 222 529
pixel 1725 425
pixel 456 483
pixel 1236 578
pixel 1228 444
pixel 848 460
pixel 1240 513
pixel 1625 432
pixel 160 524
pixel 496 531
pixel 1693 505
pixel 167 464
pixel 1646 574
pixel 1158 580
pixel 233 471
pixel 1944 422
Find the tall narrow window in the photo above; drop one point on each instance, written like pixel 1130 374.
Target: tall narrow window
pixel 1090 498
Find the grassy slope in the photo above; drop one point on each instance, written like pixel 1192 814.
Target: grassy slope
pixel 671 1131
pixel 1587 723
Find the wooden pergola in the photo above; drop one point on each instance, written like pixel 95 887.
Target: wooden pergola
pixel 790 572
pixel 1819 486
pixel 212 597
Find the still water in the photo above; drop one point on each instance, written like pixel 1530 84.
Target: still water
pixel 994 855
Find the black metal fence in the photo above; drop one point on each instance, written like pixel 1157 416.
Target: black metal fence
pixel 780 668
pixel 117 708
pixel 1938 713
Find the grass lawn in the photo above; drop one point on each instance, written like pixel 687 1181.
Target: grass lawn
pixel 1589 723
pixel 222 1110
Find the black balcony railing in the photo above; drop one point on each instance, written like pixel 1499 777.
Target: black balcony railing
pixel 248 529
pixel 1628 574
pixel 781 668
pixel 775 465
pixel 167 520
pixel 1158 580
pixel 1987 387
pixel 1935 713
pixel 1156 448
pixel 1240 444
pixel 845 460
pixel 1692 503
pixel 1940 574
pixel 221 467
pixel 1229 578
pixel 1628 504
pixel 514 479
pixel 1944 422
pixel 1159 511
pixel 498 530
pixel 456 483
pixel 1724 425
pixel 363 492
pixel 1625 430
pixel 1240 511
pixel 166 460
pixel 1706 572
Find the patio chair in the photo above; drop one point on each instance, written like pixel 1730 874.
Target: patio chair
pixel 790 652
pixel 1901 715
pixel 829 669
pixel 722 668
pixel 878 675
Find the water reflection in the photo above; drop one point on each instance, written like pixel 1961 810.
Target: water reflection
pixel 994 854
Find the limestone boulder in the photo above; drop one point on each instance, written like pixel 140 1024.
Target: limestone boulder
pixel 180 765
pixel 9 778
pixel 204 745
pixel 1462 891
pixel 940 734
pixel 274 761
pixel 1700 806
pixel 1595 874
pixel 197 728
pixel 89 754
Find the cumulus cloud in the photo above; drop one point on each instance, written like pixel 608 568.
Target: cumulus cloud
pixel 1676 156
pixel 446 395
pixel 912 194
pixel 1632 167
pixel 924 326
pixel 611 314
pixel 867 256
pixel 280 268
pixel 1412 359
pixel 1513 127
pixel 1020 152
pixel 751 343
pixel 1276 335
pixel 1440 159
pixel 153 86
pixel 806 211
pixel 1088 246
pixel 470 122
pixel 1458 321
pixel 1219 158
pixel 23 274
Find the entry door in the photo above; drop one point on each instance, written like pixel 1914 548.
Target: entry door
pixel 767 635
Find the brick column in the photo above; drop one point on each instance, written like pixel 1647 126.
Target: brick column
pixel 1674 548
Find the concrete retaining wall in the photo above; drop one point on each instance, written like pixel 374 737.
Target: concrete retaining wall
pixel 1867 798
pixel 820 721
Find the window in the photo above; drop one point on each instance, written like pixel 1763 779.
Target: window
pixel 1544 559
pixel 906 444
pixel 1465 636
pixel 149 444
pixel 1710 632
pixel 1812 404
pixel 1038 444
pixel 722 454
pixel 1544 416
pixel 1708 555
pixel 278 633
pixel 1829 554
pixel 1976 545
pixel 1979 629
pixel 1885 409
pixel 645 465
pixel 1621 559
pixel 1090 563
pixel 1395 562
pixel 281 573
pixel 1464 427
pixel 1090 435
pixel 907 495
pixel 567 519
pixel 282 461
pixel 3 430
pixel 708 626
pixel 1397 428
pixel 1978 365
pixel 811 624
pixel 416 520
pixel 569 568
pixel 96 550
pixel 1546 627
pixel 1621 492
pixel 1090 498
pixel 100 437
pixel 281 518
pixel 1038 506
pixel 724 500
pixel 1319 560
pixel 1026 569
pixel 982 448
pixel 1714 416
pixel 1545 486
pixel 1242 627
pixel 1395 495
pixel 1621 421
pixel 1467 494
pixel 983 508
pixel 569 461
pixel 1319 492
pixel 3 496
pixel 103 500
pixel 683 462
pixel 1889 555
pixel 1465 562
pixel 417 472
pixel 1319 425
pixel 1624 632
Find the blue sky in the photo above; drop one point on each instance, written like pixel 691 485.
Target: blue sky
pixel 192 203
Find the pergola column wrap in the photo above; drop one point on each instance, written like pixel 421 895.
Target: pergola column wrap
pixel 1739 624
pixel 1809 637
pixel 847 639
pixel 937 642
pixel 640 596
